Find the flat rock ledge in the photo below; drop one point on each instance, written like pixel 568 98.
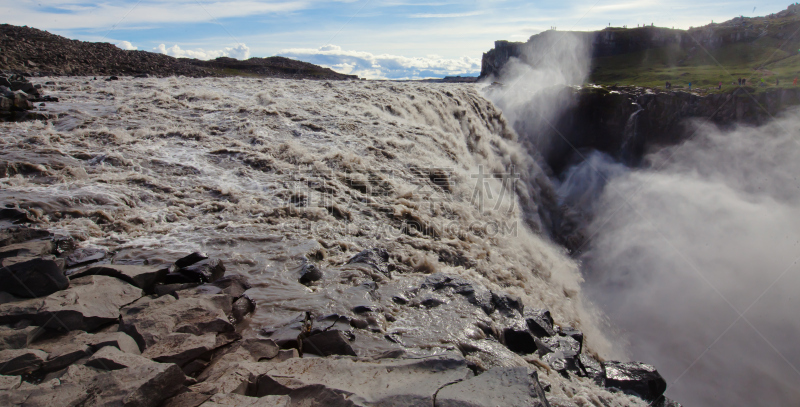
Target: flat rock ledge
pixel 134 335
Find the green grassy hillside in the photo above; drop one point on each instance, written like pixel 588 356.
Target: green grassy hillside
pixel 772 52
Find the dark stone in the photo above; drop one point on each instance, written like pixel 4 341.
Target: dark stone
pixel 112 78
pixel 328 343
pixel 310 273
pixel 439 281
pixel 482 299
pixel 432 302
pixel 666 402
pixel 572 333
pixel 164 289
pixel 518 339
pixel 540 322
pixel 399 299
pixel 506 304
pixel 33 278
pixel 176 278
pixel 592 369
pixel 85 256
pixel 190 259
pixel 363 309
pixel 635 378
pixel 234 285
pixel 21 361
pixel 376 258
pixel 21 234
pixel 242 307
pixel 14 215
pixel 205 271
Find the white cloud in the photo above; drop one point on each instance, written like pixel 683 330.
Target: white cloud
pixel 384 66
pixel 447 15
pixel 126 45
pixel 240 51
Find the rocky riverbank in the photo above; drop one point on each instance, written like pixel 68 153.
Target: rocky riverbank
pixel 219 241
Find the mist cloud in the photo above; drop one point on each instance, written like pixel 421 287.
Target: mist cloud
pixel 710 231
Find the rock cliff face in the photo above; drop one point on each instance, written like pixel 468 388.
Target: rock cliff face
pixel 607 120
pixel 616 41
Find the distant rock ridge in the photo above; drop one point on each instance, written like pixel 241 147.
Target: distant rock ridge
pixel 613 41
pixel 32 52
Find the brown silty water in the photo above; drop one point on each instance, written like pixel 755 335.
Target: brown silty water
pixel 274 175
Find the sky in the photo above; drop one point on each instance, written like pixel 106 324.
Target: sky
pixel 399 39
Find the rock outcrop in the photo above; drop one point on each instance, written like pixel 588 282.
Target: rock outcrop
pixel 38 53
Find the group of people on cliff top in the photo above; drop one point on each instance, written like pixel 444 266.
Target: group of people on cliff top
pixel 741 82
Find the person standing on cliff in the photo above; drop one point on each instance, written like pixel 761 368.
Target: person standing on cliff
pixel 794 82
pixel 720 85
pixel 690 86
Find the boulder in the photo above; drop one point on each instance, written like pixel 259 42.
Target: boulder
pixel 143 277
pixel 190 259
pixel 572 333
pixel 507 305
pixel 87 304
pixel 237 400
pixel 309 273
pixel 635 378
pixel 540 322
pixel 21 361
pixel 204 271
pixel 32 278
pixel 486 354
pixel 242 307
pixel 509 386
pixel 328 343
pixel 560 352
pixel 149 319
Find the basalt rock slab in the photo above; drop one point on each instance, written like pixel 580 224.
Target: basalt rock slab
pixel 143 277
pixel 33 248
pixel 150 319
pixel 21 361
pixel 187 399
pixel 237 400
pixel 85 256
pixel 510 386
pixel 145 385
pixel 111 358
pixel 241 308
pixel 32 278
pixel 406 382
pixel 487 354
pixel 87 304
pixel 17 338
pixel 181 348
pixel 76 345
pixel 328 343
pixel 540 322
pixel 635 378
pixel 592 369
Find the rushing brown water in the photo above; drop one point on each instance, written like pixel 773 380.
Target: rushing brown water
pixel 274 175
